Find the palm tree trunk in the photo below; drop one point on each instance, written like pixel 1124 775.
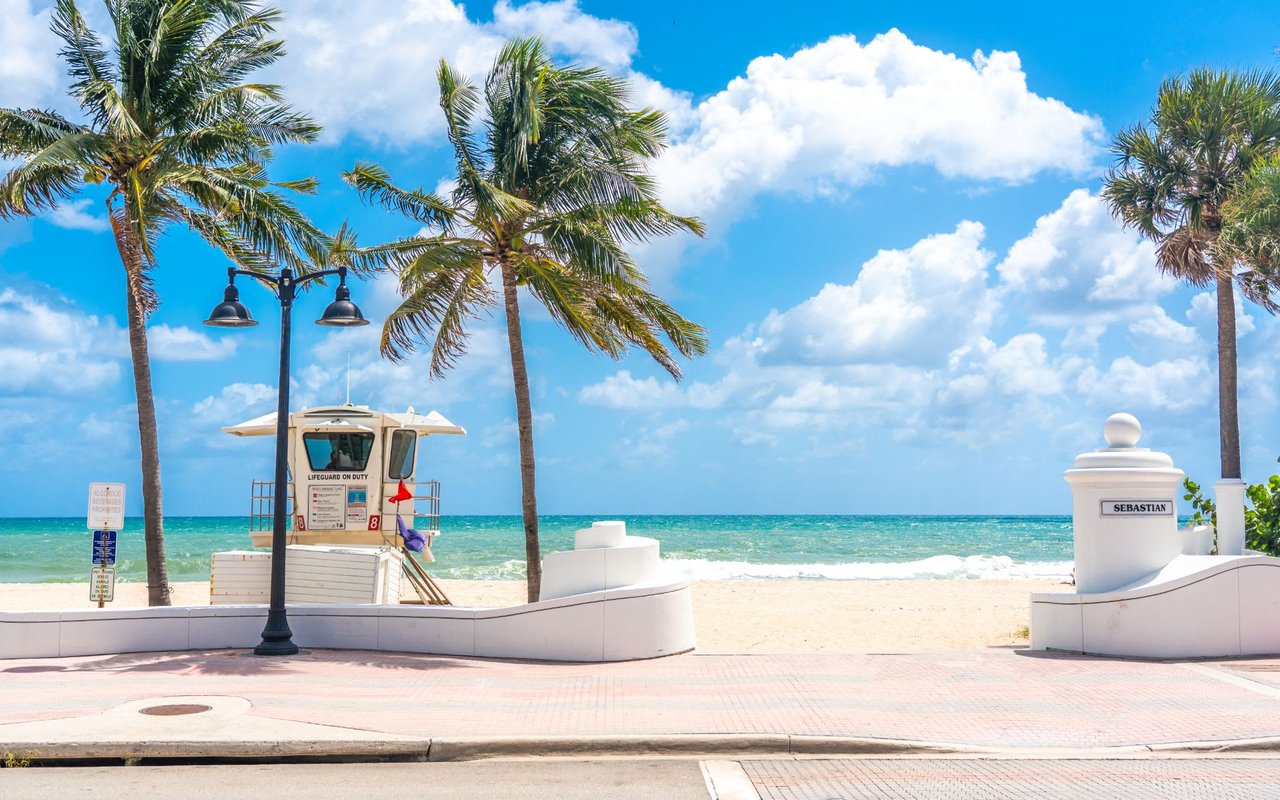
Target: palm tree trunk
pixel 524 422
pixel 1228 414
pixel 152 512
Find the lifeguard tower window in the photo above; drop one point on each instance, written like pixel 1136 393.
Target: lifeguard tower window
pixel 338 452
pixel 402 446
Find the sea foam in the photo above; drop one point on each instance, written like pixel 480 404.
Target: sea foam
pixel 972 567
pixel 934 567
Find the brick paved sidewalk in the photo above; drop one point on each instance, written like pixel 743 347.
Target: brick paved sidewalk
pixel 990 698
pixel 958 779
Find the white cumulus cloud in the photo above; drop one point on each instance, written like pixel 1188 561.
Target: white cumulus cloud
pixel 75 215
pixel 369 68
pixel 165 343
pixel 50 347
pixel 1175 385
pixel 1078 265
pixel 828 116
pixel 30 73
pixel 906 306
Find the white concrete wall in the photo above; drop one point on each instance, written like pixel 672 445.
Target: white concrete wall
pixel 1196 607
pixel 644 621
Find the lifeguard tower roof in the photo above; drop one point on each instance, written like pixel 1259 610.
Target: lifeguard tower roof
pixel 324 416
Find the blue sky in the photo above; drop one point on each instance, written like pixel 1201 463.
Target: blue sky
pixel 916 302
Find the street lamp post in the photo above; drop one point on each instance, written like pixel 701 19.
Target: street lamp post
pixel 277 639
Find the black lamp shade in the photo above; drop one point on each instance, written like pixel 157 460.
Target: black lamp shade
pixel 230 313
pixel 342 313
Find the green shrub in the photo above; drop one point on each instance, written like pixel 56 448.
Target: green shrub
pixel 1261 522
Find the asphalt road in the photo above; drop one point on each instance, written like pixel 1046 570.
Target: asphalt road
pixel 946 778
pixel 492 780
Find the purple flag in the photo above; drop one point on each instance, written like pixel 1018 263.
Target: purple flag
pixel 412 539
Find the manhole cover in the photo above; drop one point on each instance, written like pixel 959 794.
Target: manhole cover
pixel 174 710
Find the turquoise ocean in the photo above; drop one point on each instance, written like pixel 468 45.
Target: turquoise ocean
pixel 34 550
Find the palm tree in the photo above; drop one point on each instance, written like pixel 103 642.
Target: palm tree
pixel 1171 182
pixel 546 199
pixel 1251 220
pixel 178 138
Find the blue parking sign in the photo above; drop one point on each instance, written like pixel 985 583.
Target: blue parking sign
pixel 104 548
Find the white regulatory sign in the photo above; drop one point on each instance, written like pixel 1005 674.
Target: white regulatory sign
pixel 1137 508
pixel 106 506
pixel 102 584
pixel 327 507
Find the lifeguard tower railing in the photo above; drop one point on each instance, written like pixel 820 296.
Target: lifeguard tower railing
pixel 262 506
pixel 424 506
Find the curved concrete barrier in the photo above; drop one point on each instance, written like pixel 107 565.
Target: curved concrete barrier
pixel 1195 607
pixel 634 622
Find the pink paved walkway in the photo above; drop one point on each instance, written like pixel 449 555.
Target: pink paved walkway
pixel 985 698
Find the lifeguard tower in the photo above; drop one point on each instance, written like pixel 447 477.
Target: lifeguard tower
pixel 347 464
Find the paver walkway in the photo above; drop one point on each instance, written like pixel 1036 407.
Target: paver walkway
pixel 952 779
pixel 996 698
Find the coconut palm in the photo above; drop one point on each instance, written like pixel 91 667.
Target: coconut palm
pixel 176 136
pixel 547 197
pixel 1172 179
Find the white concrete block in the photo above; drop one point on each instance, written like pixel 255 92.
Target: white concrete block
pixel 124 631
pixel 29 634
pixel 649 625
pixel 346 627
pixel 1260 608
pixel 1056 625
pixel 573 572
pixel 439 630
pixel 609 533
pixel 636 561
pixel 571 632
pixel 1199 619
pixel 218 627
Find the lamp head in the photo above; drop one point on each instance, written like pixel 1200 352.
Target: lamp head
pixel 230 313
pixel 342 313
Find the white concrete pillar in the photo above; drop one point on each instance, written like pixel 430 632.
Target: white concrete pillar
pixel 1124 509
pixel 1229 497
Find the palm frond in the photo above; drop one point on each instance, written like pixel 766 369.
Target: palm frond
pixel 374 185
pixel 25 132
pixel 443 291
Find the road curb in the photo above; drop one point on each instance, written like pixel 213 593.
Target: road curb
pixel 474 748
pixel 479 747
pixel 320 749
pixel 1265 744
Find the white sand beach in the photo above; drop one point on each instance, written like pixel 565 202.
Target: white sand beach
pixel 773 616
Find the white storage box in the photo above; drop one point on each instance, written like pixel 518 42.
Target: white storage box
pixel 240 577
pixel 315 574
pixel 342 574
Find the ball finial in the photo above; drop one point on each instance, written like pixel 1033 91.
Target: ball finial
pixel 1122 430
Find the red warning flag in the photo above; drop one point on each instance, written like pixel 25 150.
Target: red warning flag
pixel 401 495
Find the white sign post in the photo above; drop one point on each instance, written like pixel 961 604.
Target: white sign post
pixel 106 506
pixel 106 513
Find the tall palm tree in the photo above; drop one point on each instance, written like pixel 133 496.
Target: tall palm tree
pixel 178 137
pixel 1251 220
pixel 1172 179
pixel 547 198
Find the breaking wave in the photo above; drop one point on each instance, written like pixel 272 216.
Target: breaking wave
pixel 935 567
pixel 975 567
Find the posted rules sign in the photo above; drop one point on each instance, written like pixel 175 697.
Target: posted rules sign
pixel 102 585
pixel 106 506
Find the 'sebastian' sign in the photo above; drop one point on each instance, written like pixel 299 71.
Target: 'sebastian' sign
pixel 1137 508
